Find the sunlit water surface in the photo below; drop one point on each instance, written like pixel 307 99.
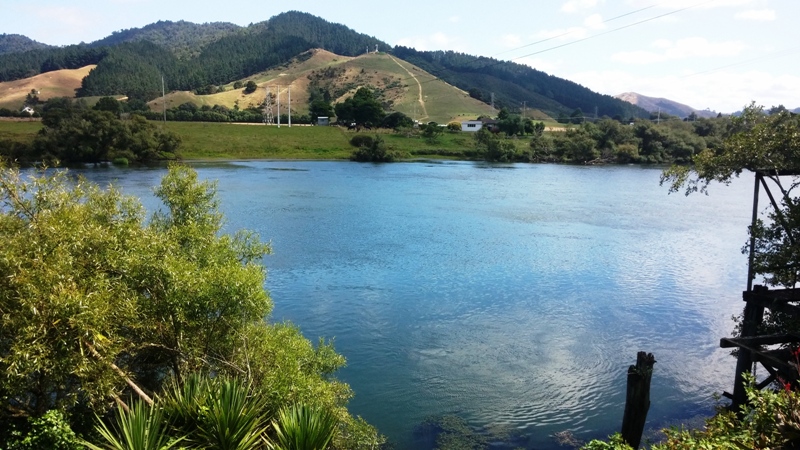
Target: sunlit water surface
pixel 514 296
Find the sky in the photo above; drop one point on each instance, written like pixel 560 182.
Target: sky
pixel 709 54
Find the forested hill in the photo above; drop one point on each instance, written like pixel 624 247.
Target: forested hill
pixel 184 39
pixel 15 43
pixel 198 58
pixel 513 83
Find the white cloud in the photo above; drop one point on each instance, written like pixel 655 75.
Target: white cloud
pixel 594 22
pixel 578 5
pixel 760 15
pixel 680 49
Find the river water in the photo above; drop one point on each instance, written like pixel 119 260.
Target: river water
pixel 512 296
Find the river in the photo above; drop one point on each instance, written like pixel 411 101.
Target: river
pixel 513 296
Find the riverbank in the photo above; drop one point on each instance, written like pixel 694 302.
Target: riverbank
pixel 219 141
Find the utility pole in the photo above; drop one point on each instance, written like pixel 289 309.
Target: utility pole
pixel 289 106
pixel 279 106
pixel 492 100
pixel 163 99
pixel 524 104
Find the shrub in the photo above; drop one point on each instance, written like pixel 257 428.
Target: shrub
pixel 362 140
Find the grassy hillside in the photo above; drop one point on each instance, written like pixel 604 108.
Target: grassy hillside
pixel 59 83
pixel 402 87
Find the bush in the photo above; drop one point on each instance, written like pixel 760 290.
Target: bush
pixel 362 140
pixel 376 152
pixel 454 127
pixel 51 431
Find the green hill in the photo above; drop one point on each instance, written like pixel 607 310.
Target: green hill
pixel 207 58
pixel 399 85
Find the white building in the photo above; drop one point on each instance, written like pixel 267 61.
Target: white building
pixel 471 125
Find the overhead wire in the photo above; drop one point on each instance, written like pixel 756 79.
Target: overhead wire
pixel 498 62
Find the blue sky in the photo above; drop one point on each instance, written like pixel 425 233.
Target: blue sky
pixel 716 54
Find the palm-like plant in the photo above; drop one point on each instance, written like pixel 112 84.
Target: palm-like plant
pixel 301 427
pixel 142 427
pixel 217 414
pixel 233 420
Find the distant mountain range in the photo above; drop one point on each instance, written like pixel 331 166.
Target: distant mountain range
pixel 197 57
pixel 663 105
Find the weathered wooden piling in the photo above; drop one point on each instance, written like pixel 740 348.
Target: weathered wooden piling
pixel 637 400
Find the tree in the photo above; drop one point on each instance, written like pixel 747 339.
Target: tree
pixel 99 304
pixel 362 108
pixel 431 132
pixel 397 120
pixel 319 108
pixel 109 104
pixel 75 135
pixel 250 87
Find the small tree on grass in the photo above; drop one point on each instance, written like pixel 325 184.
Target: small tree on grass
pixel 250 87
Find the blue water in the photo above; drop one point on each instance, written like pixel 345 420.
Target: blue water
pixel 514 296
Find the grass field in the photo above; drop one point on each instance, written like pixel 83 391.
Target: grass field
pixel 60 83
pixel 216 141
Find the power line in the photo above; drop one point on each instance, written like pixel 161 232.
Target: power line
pixel 614 30
pixel 498 62
pixel 570 32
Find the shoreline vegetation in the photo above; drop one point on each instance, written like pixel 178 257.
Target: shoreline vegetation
pixel 604 142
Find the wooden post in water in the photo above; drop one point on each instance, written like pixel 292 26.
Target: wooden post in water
pixel 637 401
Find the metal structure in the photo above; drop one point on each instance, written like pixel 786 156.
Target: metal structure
pixel 268 118
pixel 772 352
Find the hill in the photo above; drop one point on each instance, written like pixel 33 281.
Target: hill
pixel 59 83
pixel 17 43
pixel 664 105
pixel 201 58
pixel 511 84
pixel 399 85
pixel 183 39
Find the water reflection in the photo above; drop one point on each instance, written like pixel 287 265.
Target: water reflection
pixel 512 296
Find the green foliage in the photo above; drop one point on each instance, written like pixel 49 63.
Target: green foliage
pixel 301 427
pixel 376 151
pixel 109 104
pixel 431 132
pixel 250 87
pixel 96 301
pixel 771 419
pixel 494 148
pixel 511 83
pixel 615 442
pixel 141 428
pixel 454 127
pixel 362 140
pixel 75 135
pixel 756 141
pixel 220 413
pixel 397 120
pixel 50 431
pixel 362 108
